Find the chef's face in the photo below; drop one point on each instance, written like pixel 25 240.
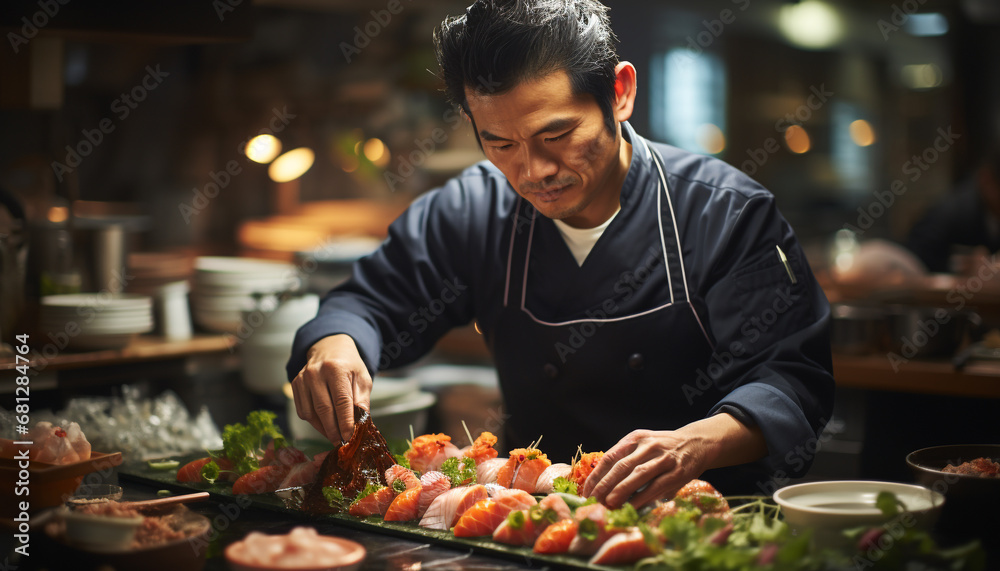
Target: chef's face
pixel 555 148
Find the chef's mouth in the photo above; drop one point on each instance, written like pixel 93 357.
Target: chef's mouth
pixel 551 195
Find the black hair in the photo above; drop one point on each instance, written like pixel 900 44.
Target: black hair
pixel 497 44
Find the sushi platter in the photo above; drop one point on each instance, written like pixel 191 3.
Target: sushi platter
pixel 141 473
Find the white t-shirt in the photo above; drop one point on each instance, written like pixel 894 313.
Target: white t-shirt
pixel 581 240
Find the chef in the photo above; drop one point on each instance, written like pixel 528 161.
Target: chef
pixel 636 298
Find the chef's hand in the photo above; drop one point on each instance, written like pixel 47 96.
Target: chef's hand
pixel 661 462
pixel 332 382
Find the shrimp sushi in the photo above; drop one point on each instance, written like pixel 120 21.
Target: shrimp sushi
pixel 487 514
pixel 428 451
pixel 445 510
pixel 544 483
pixel 556 537
pixel 432 485
pixel 397 472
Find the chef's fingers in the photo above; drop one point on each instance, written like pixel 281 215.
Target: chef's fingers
pixel 363 390
pixel 663 486
pixel 611 458
pixel 342 388
pixel 629 476
pixel 316 410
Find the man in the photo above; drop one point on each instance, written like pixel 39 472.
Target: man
pixel 969 216
pixel 636 298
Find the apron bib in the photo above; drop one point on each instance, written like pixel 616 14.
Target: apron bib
pixel 589 382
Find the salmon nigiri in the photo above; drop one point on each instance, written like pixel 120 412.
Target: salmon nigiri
pixel 191 472
pixel 628 546
pixel 556 537
pixel 445 510
pixel 262 480
pixel 428 451
pixel 375 503
pixel 594 519
pixel 522 469
pixel 432 485
pixel 544 484
pixel 405 506
pixel 487 514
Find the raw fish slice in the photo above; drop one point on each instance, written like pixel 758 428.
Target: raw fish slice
pixel 445 510
pixel 375 503
pixel 486 471
pixel 300 474
pixel 543 485
pixel 556 538
pixel 51 445
pixel 191 472
pixel 486 515
pixel 262 480
pixel 583 467
pixel 494 489
pixel 404 506
pixel 397 472
pixel 628 546
pixel 523 533
pixel 432 485
pixel 704 496
pixel 285 456
pixel 599 515
pixel 557 504
pixel 526 475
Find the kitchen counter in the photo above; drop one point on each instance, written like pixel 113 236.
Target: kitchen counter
pixel 142 348
pixel 979 378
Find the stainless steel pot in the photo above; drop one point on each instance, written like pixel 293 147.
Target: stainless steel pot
pixel 928 332
pixel 857 329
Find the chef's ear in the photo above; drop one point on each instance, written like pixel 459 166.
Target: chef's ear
pixel 625 90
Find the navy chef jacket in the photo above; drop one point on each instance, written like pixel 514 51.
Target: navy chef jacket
pixel 768 363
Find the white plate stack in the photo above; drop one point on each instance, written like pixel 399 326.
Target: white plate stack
pixel 224 288
pixel 94 321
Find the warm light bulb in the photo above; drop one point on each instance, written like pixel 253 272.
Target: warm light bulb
pixel 810 24
pixel 291 165
pixel 797 139
pixel 58 214
pixel 263 148
pixel 862 133
pixel 711 138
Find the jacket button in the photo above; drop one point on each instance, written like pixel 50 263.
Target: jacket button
pixel 636 362
pixel 550 370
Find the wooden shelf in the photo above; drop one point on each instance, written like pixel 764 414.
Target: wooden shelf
pixel 978 379
pixel 143 348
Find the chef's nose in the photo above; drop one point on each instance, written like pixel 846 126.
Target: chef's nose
pixel 536 165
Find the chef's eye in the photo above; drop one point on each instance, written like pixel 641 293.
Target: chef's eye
pixel 501 147
pixel 554 139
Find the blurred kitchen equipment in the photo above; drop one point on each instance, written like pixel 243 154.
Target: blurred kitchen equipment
pixel 266 334
pixel 95 321
pixel 103 235
pixel 331 264
pixel 13 260
pixel 857 329
pixel 928 332
pixel 173 313
pixel 223 288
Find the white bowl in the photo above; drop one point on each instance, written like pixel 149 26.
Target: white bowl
pixel 828 508
pixel 100 532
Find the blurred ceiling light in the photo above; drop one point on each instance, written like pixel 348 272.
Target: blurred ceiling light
pixel 374 150
pixel 262 148
pixel 810 24
pixel 711 138
pixel 357 147
pixel 291 165
pixel 922 76
pixel 797 139
pixel 862 133
pixel 58 214
pixel 928 24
